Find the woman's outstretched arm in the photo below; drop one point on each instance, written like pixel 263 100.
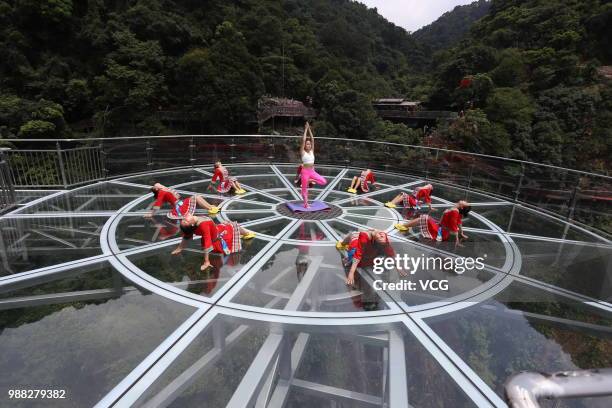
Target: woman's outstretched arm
pixel 311 138
pixel 306 127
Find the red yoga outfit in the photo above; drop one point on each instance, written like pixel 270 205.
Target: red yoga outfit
pixel 450 222
pixel 180 208
pixel 365 179
pixel 222 180
pixel 212 234
pixel 365 251
pixel 420 194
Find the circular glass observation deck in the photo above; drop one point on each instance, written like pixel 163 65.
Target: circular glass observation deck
pixel 93 302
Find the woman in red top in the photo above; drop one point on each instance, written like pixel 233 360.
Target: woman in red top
pixel 420 194
pixel 362 248
pixel 219 238
pixel 363 182
pixel 180 208
pixel 448 226
pixel 221 181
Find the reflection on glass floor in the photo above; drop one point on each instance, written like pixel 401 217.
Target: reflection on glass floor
pixel 86 279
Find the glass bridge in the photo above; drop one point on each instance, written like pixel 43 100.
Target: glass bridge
pixel 92 302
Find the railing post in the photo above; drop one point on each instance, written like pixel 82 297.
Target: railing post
pixel 61 164
pixel 517 193
pixel 192 152
pixel 7 199
pixel 573 201
pixel 103 161
pixel 149 150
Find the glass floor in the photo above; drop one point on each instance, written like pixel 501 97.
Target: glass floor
pixel 93 303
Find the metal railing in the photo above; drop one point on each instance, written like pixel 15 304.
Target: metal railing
pixel 574 195
pixel 526 389
pixel 7 190
pixel 54 167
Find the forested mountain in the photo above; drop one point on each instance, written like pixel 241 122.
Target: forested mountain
pixel 526 75
pixel 452 27
pixel 118 62
pixel 527 79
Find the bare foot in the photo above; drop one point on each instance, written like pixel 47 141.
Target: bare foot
pixel 205 266
pixel 177 251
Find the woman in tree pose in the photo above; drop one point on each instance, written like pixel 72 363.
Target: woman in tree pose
pixel 361 249
pixel 420 194
pixel 180 208
pixel 448 227
pixel 308 172
pixel 218 238
pixel 363 182
pixel 221 181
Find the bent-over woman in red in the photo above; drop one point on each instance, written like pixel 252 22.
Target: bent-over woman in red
pixel 419 195
pixel 448 227
pixel 222 238
pixel 221 181
pixel 363 182
pixel 362 248
pixel 180 207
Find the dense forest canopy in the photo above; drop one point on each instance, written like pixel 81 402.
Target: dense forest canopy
pixel 452 27
pixel 526 77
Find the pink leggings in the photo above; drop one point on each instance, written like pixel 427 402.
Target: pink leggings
pixel 307 174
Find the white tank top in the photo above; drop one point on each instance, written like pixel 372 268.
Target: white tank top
pixel 308 158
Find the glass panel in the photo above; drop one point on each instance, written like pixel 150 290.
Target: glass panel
pixel 184 270
pixel 368 223
pixel 32 243
pixel 242 170
pixel 261 182
pixel 308 231
pixel 246 217
pixel 454 194
pixel 381 212
pixel 520 220
pixel 584 269
pixel 283 194
pixel 501 338
pixel 426 276
pixel 328 363
pixel 82 343
pixel 26 196
pixel 135 230
pixel 271 228
pixel 99 197
pixel 168 178
pixel 307 278
pixel 261 198
pixel 241 205
pixel 357 201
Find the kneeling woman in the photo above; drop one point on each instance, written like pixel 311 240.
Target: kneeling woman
pixel 448 227
pixel 362 248
pixel 363 182
pixel 221 181
pixel 219 238
pixel 420 194
pixel 180 208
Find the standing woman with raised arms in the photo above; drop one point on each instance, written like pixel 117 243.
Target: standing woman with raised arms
pixel 308 172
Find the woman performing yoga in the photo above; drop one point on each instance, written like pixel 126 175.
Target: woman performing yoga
pixel 448 226
pixel 420 194
pixel 308 172
pixel 219 238
pixel 221 181
pixel 363 182
pixel 361 249
pixel 180 208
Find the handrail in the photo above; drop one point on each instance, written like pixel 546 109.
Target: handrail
pixel 525 389
pixel 434 149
